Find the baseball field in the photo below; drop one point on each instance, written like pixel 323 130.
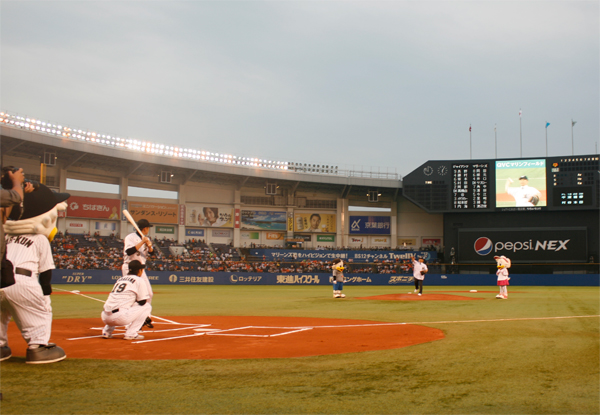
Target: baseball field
pixel 296 350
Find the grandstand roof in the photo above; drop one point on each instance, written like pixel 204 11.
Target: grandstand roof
pixel 90 161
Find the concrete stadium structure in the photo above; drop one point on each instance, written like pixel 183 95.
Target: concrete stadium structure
pixel 298 189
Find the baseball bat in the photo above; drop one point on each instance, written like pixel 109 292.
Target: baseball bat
pixel 132 221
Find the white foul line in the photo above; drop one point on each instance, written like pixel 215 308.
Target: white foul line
pixel 102 301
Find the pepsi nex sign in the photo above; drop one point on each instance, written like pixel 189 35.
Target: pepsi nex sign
pixel 523 245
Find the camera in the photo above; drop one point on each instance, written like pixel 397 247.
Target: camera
pixel 6 181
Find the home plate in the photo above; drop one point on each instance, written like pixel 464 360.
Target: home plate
pixel 472 291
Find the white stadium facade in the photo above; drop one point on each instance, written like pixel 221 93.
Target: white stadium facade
pixel 232 184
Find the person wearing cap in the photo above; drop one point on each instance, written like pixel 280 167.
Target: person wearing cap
pixel 127 304
pixel 139 247
pixel 524 195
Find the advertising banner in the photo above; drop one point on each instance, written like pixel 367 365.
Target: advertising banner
pixel 353 256
pixel 250 235
pixel 154 212
pixel 195 232
pixel 105 226
pixel 182 214
pixel 380 225
pixel 275 236
pixel 380 240
pixel 78 226
pixel 432 241
pixel 164 229
pixel 207 215
pixel 221 233
pixel 315 222
pixel 325 238
pixel 93 207
pixel 264 219
pixel 357 240
pixel 523 245
pixel 74 276
pixel 407 241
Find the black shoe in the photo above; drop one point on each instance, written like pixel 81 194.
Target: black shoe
pixel 5 353
pixel 45 354
pixel 148 323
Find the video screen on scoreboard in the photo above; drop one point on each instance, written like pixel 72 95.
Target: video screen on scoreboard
pixel 521 184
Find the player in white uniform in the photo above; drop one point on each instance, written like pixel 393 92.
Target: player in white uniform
pixel 524 195
pixel 138 247
pixel 127 304
pixel 419 271
pixel 28 300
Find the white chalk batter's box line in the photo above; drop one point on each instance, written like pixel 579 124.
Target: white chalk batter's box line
pixel 290 330
pixel 228 332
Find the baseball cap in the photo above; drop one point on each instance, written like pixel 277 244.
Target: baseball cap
pixel 143 223
pixel 135 266
pixel 523 177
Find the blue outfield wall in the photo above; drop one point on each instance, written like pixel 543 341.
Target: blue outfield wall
pixel 60 276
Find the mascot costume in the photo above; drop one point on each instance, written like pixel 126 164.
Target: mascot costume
pixel 502 263
pixel 338 278
pixel 28 237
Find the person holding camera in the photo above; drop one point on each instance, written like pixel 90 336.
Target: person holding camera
pixel 13 191
pixel 419 271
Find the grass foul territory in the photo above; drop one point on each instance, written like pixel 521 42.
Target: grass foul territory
pixel 535 353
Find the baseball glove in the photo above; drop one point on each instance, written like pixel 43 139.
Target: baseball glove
pixel 535 199
pixel 423 272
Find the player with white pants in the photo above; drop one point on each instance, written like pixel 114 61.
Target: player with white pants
pixel 138 247
pixel 419 271
pixel 127 304
pixel 28 300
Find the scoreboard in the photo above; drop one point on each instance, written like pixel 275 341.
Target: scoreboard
pixel 550 183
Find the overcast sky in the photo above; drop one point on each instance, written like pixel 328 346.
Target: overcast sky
pixel 385 85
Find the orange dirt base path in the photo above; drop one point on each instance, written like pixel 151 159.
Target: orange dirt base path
pixel 230 337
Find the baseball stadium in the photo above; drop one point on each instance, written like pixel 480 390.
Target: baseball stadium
pixel 244 316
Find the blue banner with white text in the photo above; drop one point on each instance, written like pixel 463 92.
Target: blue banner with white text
pixel 61 276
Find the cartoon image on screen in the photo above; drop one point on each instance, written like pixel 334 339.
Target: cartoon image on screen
pixel 521 183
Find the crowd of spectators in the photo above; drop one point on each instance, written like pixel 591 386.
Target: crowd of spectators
pixel 95 252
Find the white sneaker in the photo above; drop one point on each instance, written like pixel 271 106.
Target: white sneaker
pixel 416 291
pixel 107 332
pixel 136 337
pixel 419 294
pixel 343 295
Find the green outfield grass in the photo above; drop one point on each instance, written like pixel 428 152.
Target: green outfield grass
pixel 529 365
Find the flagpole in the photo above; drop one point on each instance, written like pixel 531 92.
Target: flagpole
pixel 546 139
pixel 495 142
pixel 470 144
pixel 572 140
pixel 520 132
